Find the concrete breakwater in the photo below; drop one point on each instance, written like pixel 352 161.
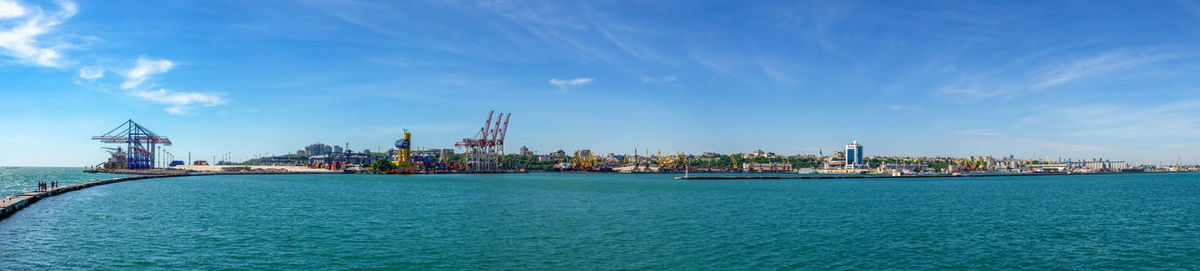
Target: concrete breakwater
pixel 148 172
pixel 12 204
pixel 191 170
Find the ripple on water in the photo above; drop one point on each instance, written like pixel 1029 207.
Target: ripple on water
pixel 564 221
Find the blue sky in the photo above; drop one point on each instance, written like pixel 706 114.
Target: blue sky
pixel 1044 79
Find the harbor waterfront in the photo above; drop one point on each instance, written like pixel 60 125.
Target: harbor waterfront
pixel 599 135
pixel 612 221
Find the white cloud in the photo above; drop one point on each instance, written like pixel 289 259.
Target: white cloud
pixel 180 102
pixel 564 84
pixel 10 9
pixel 1092 66
pixel 23 27
pixel 21 40
pixel 91 73
pixel 144 69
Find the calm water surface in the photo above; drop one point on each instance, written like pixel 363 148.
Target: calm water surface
pixel 17 180
pixel 610 221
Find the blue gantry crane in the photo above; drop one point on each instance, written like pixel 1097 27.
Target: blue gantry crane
pixel 139 149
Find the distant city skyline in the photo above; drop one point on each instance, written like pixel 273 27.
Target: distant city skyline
pixel 1035 79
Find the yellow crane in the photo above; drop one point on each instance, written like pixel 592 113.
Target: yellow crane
pixel 584 159
pixel 403 160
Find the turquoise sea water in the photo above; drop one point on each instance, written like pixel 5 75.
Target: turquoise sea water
pixel 612 221
pixel 16 180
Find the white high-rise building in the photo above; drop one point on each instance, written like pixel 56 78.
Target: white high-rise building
pixel 854 156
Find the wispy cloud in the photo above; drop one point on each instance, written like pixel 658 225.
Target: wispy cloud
pixel 720 62
pixel 144 69
pixel 91 73
pixel 1192 7
pixel 1010 81
pixel 818 22
pixel 1036 146
pixel 618 35
pixel 1061 146
pixel 971 93
pixel 664 79
pixel 22 27
pixel 553 24
pixel 438 128
pixel 1179 119
pixel 904 107
pixel 776 73
pixel 979 133
pixel 180 102
pixel 1066 72
pixel 753 70
pixel 566 84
